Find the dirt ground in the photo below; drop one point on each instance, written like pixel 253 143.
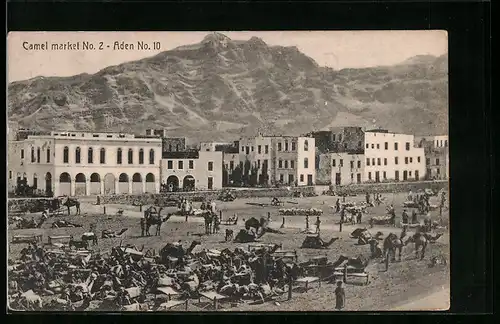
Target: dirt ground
pixel 401 287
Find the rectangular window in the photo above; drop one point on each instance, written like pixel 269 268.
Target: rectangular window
pixel 386 146
pixel 259 149
pixel 333 137
pixel 279 147
pixel 293 146
pixel 396 160
pixel 170 165
pixel 231 165
pixel 378 161
pixel 369 175
pixel 437 161
pixel 282 177
pixel 191 164
pixel 341 162
pixel 286 146
pixel 395 146
pixel 301 178
pixel 373 146
pixel 22 154
pixel 10 174
pixel 437 171
pixel 242 149
pixel 248 149
pixel 252 148
pixel 409 173
pixel 396 175
pixel 266 149
pixel 359 164
pixel 406 160
pixel 280 164
pixel 258 164
pixel 373 161
pixel 102 156
pixel 334 162
pixel 48 155
pixel 180 165
pixel 385 161
pixel 411 160
pixel 418 159
pixel 286 164
pixel 292 164
pixel 368 162
pixel 407 146
pixel 352 165
pixel 367 145
pixel 385 175
pixel 358 178
pixel 378 146
pixel 210 166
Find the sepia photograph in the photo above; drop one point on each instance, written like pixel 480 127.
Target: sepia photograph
pixel 231 171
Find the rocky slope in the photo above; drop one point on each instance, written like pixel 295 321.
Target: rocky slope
pixel 222 89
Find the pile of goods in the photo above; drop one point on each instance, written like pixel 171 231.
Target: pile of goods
pixel 300 212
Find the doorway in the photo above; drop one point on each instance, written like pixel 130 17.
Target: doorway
pixel 210 183
pixel 337 179
pixel 396 175
pixel 309 180
pixel 377 176
pixel 405 175
pixel 416 175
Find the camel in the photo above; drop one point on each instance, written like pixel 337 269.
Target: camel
pixel 391 244
pixel 420 241
pixel 315 242
pixel 153 217
pixel 375 250
pixel 111 234
pixel 63 223
pixel 71 202
pixel 83 244
pixel 176 251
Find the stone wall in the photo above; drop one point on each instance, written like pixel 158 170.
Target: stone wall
pixel 391 187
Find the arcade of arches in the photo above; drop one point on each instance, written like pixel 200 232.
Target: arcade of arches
pixel 174 184
pixel 105 184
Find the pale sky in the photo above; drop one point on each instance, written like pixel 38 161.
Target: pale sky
pixel 336 49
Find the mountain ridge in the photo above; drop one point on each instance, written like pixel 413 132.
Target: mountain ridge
pixel 221 89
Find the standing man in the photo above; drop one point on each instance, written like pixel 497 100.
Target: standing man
pixel 337 205
pixel 342 214
pixel 307 223
pixel 414 219
pixel 367 196
pixel 318 223
pixel 359 216
pixel 404 217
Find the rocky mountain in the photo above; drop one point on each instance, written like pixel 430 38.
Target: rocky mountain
pixel 220 89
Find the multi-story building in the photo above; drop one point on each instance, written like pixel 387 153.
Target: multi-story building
pixel 81 163
pixel 293 160
pixel 340 139
pixel 340 168
pixel 392 157
pixel 188 171
pixel 436 156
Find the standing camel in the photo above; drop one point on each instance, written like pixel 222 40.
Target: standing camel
pixel 71 202
pixel 154 218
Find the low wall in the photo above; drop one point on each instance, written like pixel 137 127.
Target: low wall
pixel 149 199
pixel 391 187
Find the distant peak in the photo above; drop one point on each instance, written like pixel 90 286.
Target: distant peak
pixel 257 41
pixel 215 37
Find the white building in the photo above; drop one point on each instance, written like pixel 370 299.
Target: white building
pixel 81 163
pixel 392 157
pixel 192 170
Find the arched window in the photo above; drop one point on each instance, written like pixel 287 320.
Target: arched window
pixel 130 156
pixel 151 156
pixel 66 155
pixel 33 155
pixel 141 156
pixel 102 156
pixel 37 155
pixel 90 155
pixel 119 156
pixel 306 145
pixel 35 181
pixel 77 155
pixel 306 163
pixel 48 155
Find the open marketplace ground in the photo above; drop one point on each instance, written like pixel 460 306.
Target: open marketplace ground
pixel 407 285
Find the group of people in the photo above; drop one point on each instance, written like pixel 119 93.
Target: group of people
pixel 317 224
